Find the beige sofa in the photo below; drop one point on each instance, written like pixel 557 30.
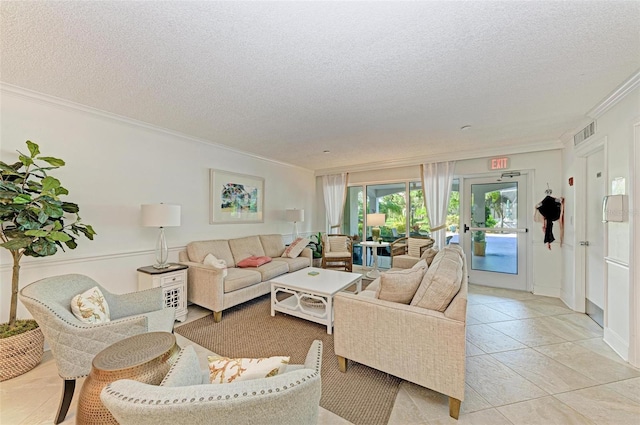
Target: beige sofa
pixel 423 346
pixel 208 287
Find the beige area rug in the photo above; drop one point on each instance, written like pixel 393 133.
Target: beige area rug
pixel 361 396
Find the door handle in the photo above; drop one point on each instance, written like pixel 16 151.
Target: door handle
pixel 466 228
pixel 584 243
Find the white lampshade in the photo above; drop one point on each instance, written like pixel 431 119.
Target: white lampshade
pixel 294 215
pixel 375 219
pixel 160 215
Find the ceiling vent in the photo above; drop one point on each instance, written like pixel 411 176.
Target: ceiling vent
pixel 584 134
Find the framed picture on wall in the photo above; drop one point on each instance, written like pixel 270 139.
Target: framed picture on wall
pixel 236 198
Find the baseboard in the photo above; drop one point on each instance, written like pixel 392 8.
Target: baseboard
pixel 617 343
pixel 548 291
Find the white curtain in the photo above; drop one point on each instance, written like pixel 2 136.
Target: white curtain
pixel 335 195
pixel 436 185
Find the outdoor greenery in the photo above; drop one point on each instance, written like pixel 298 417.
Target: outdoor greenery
pixel 34 221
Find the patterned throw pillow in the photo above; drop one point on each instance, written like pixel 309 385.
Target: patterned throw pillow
pixel 90 306
pixel 223 370
pixel 296 247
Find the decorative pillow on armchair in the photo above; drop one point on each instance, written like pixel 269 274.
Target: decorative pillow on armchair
pixel 254 261
pixel 91 307
pixel 223 370
pixel 400 286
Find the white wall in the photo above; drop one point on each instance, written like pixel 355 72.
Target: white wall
pixel 113 166
pixel 543 168
pixel 615 127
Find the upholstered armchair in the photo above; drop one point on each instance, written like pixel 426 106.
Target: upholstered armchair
pixel 74 343
pixel 337 252
pixel 406 252
pixel 186 396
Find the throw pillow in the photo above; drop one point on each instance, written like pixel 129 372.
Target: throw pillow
pixel 422 263
pixel 414 246
pixel 399 286
pixel 429 254
pixel 254 261
pixel 295 248
pixel 90 306
pixel 223 370
pixel 212 261
pixel 441 282
pixel 338 244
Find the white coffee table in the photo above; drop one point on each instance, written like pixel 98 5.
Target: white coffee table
pixel 311 296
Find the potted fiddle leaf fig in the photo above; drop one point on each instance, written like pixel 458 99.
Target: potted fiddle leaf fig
pixel 315 244
pixel 34 221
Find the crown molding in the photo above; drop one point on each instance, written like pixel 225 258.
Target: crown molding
pixel 6 88
pixel 615 96
pixel 450 156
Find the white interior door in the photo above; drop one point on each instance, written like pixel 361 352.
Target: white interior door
pixel 593 245
pixel 494 232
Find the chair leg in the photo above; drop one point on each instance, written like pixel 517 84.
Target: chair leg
pixel 342 364
pixel 217 316
pixel 65 401
pixel 454 407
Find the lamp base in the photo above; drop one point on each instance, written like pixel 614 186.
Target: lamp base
pixel 161 266
pixel 375 234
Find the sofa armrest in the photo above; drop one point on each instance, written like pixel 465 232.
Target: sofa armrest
pixel 420 345
pixel 205 285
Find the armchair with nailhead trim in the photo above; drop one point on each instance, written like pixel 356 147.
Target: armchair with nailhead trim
pixel 186 396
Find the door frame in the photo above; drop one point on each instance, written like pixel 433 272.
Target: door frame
pixel 582 151
pixel 528 220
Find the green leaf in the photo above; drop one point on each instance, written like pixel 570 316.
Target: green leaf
pixel 27 220
pixel 36 233
pixel 26 160
pixel 33 148
pixel 17 243
pixel 61 191
pixel 58 236
pixel 52 210
pixel 42 217
pixel 50 183
pixel 22 199
pixel 70 207
pixel 56 162
pixel 42 248
pixel 71 244
pixel 57 225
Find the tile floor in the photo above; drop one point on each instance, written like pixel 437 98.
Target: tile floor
pixel 530 360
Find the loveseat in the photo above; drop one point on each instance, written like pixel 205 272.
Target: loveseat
pixel 207 286
pixel 420 335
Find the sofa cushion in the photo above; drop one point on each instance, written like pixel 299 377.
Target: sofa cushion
pixel 219 248
pixel 273 245
pixel 254 261
pixel 295 264
pixel 270 270
pixel 338 244
pixel 441 282
pixel 429 254
pixel 400 286
pixel 404 261
pixel 241 278
pixel 242 248
pixel 295 248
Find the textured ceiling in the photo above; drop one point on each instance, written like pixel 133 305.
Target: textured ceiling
pixel 370 82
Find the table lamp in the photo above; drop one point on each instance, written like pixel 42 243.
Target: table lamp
pixel 161 215
pixel 375 220
pixel 296 216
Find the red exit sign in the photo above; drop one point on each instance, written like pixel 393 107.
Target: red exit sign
pixel 499 163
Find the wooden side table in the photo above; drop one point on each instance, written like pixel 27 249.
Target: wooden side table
pixel 146 358
pixel 173 281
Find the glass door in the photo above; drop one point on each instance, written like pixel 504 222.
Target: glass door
pixel 494 229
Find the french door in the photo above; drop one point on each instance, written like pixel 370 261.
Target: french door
pixel 494 231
